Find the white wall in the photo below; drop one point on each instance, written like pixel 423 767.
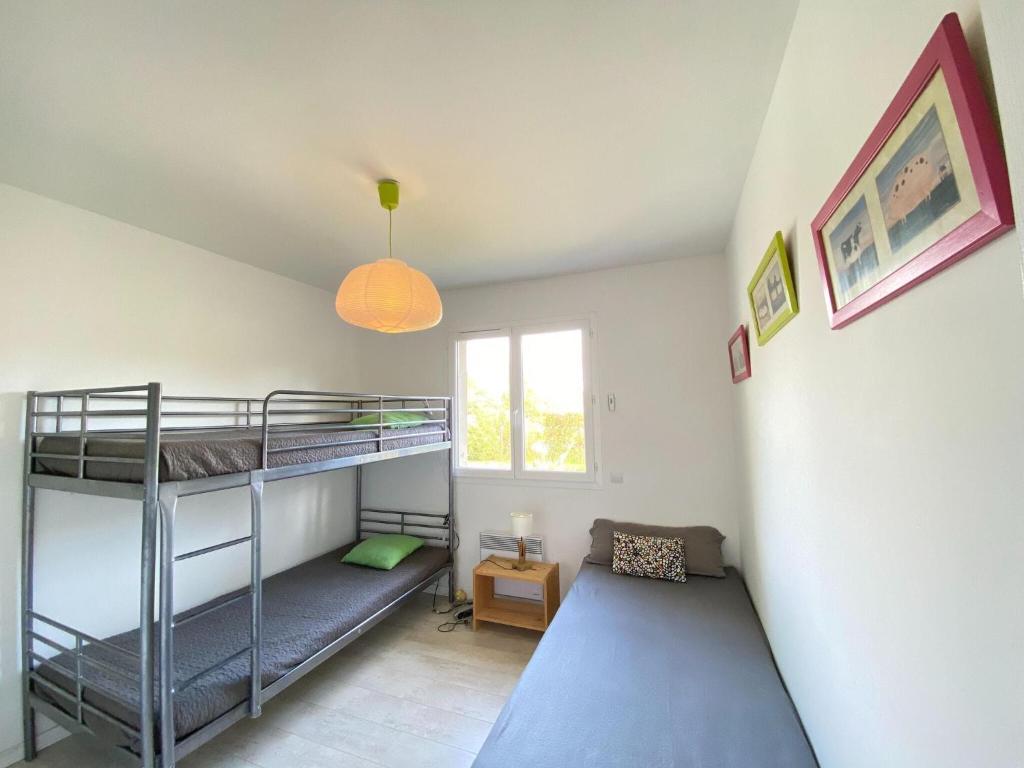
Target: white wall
pixel 1004 31
pixel 660 346
pixel 87 301
pixel 882 532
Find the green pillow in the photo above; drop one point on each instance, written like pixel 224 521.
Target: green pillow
pixel 397 419
pixel 383 552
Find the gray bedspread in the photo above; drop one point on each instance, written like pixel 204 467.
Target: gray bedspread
pixel 638 673
pixel 192 455
pixel 304 609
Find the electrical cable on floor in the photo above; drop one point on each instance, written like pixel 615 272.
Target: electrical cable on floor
pixel 464 617
pixel 449 626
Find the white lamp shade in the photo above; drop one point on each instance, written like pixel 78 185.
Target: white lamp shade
pixel 522 524
pixel 388 296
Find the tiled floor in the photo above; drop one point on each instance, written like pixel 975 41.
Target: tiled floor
pixel 404 696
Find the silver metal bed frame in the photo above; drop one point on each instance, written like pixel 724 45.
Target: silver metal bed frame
pixel 81 412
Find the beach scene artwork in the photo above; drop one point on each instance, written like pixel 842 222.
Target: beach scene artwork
pixel 917 190
pixel 928 187
pixel 918 185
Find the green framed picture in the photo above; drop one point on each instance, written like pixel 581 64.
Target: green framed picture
pixel 771 293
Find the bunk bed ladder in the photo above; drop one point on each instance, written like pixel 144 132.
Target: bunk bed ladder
pixel 168 500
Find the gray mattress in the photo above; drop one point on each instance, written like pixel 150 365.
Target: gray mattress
pixel 192 455
pixel 635 672
pixel 304 609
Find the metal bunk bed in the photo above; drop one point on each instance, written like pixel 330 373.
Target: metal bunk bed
pixel 290 433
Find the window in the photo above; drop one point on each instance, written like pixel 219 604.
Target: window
pixel 485 423
pixel 524 403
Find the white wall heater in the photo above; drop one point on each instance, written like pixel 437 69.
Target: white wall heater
pixel 504 544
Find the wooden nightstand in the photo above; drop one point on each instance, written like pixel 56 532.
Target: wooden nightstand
pixel 515 613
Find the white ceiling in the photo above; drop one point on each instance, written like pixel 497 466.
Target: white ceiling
pixel 530 138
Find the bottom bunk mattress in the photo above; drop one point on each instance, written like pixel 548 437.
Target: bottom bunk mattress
pixel 637 672
pixel 304 609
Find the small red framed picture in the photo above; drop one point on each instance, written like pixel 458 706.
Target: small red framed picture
pixel 739 355
pixel 928 187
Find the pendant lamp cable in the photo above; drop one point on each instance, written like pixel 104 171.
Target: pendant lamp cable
pixel 389 233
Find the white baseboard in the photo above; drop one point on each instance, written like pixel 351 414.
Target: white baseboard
pixel 48 735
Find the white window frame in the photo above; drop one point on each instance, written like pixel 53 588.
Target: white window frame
pixel 518 473
pixel 459 388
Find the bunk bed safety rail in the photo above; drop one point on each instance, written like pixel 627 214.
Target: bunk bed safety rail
pixel 77 678
pixel 86 413
pixel 430 526
pixel 292 410
pixel 123 411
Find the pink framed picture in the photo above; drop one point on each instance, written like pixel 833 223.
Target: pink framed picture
pixel 739 355
pixel 928 187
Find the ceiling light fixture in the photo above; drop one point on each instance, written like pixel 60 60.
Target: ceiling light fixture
pixel 388 295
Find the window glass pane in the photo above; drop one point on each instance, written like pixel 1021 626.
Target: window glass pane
pixel 486 439
pixel 553 428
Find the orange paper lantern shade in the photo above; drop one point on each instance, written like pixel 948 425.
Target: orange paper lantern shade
pixel 388 296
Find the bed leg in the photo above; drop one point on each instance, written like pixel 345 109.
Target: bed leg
pixel 30 732
pixel 451 585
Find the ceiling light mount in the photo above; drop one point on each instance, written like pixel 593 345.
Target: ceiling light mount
pixel 387 191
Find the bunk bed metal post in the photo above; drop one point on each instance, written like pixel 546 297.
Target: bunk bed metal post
pixel 150 515
pixel 27 556
pixel 168 507
pixel 256 595
pixel 83 429
pixel 451 498
pixel 359 501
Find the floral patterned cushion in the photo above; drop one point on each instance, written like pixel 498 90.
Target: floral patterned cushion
pixel 653 557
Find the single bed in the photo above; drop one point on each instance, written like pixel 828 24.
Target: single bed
pixel 636 672
pixel 190 455
pixel 305 609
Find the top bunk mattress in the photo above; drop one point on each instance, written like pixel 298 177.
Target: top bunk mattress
pixel 194 455
pixel 638 672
